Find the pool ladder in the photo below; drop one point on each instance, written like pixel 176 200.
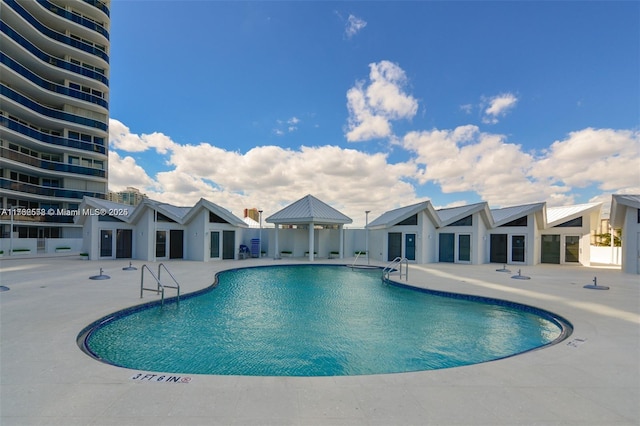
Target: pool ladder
pixel 396 265
pixel 159 289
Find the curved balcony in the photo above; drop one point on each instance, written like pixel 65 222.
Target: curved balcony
pixel 54 140
pixel 46 191
pixel 19 157
pixel 99 5
pixel 48 85
pixel 49 112
pixel 57 62
pixel 54 35
pixel 73 17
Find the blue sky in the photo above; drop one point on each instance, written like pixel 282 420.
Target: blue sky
pixel 375 105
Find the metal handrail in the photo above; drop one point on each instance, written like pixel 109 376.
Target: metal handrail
pixel 398 261
pixel 159 286
pixel 177 286
pixel 356 259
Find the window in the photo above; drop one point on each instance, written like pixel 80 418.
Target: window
pixel 411 220
pixel 573 223
pixel 214 218
pixel 522 221
pixel 465 221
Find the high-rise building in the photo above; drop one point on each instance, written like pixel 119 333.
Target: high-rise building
pixel 130 196
pixel 54 113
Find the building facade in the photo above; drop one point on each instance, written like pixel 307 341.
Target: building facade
pixel 54 114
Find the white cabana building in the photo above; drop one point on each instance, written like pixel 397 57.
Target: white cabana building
pixel 314 229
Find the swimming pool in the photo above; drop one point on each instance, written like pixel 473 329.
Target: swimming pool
pixel 317 320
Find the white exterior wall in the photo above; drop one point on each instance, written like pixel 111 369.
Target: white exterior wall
pixel 197 236
pixel 532 241
pixel 631 242
pixel 584 232
pixel 145 248
pixel 478 232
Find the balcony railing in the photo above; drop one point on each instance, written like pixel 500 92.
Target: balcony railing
pixel 46 191
pixel 75 18
pixel 99 4
pixel 57 62
pixel 50 112
pixel 50 165
pixel 48 85
pixel 54 34
pixel 54 140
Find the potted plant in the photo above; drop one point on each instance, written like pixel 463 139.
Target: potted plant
pixel 63 249
pixel 286 253
pixel 84 256
pixel 1 253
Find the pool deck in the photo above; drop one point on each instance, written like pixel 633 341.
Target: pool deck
pixel 592 378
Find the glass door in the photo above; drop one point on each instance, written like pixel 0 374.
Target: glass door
pixel 572 248
pixel 550 249
pixel 106 243
pixel 517 248
pixel 464 248
pixel 161 244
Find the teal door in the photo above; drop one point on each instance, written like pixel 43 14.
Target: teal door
pixel 464 248
pixel 498 249
pixel 446 247
pixel 410 246
pixel 214 249
pixel 517 248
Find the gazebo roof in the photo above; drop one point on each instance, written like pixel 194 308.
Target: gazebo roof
pixel 306 210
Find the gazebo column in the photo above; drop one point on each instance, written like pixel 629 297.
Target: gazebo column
pixel 311 242
pixel 276 255
pixel 341 228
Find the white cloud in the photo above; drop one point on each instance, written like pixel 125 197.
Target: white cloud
pixel 354 25
pixel 120 137
pixel 606 157
pixel 499 106
pixel 271 177
pixel 372 107
pixel 123 172
pixel 464 159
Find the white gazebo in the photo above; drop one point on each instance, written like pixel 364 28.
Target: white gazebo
pixel 309 211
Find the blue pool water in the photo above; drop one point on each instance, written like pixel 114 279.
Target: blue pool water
pixel 315 320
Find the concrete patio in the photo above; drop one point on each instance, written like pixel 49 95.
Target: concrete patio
pixel 592 378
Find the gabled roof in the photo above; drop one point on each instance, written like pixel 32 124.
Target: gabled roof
pixel 392 217
pixel 508 214
pixel 451 215
pixel 306 210
pixel 214 208
pixel 91 203
pixel 559 215
pixel 619 205
pixel 174 213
